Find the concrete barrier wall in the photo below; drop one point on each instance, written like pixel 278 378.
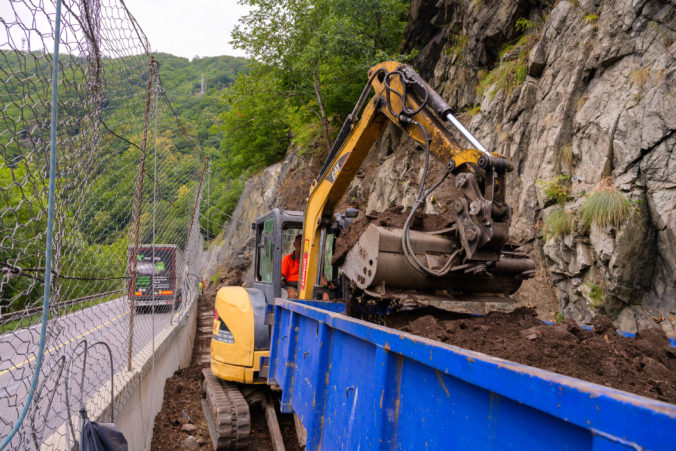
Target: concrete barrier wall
pixel 139 391
pixel 145 400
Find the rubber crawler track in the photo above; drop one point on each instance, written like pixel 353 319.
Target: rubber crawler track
pixel 227 413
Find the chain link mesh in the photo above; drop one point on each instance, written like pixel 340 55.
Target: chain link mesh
pixel 112 109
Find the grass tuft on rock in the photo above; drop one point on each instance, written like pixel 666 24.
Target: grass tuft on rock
pixel 606 206
pixel 558 224
pixel 596 296
pixel 556 189
pixel 512 68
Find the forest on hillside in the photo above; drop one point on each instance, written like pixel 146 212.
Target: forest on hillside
pixel 99 140
pixel 306 64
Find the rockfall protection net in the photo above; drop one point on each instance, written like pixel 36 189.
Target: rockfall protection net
pixel 127 175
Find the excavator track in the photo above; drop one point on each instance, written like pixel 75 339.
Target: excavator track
pixel 227 413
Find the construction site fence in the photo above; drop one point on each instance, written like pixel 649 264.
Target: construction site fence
pixel 127 174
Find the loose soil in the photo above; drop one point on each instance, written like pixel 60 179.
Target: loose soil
pixel 293 191
pixel 232 272
pixel 182 404
pixel 645 365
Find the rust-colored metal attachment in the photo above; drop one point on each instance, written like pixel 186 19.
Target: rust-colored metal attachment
pixel 377 263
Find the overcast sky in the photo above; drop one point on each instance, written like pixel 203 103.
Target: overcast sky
pixel 188 27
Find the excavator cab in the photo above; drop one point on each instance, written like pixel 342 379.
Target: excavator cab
pixel 275 233
pixel 330 277
pixel 240 336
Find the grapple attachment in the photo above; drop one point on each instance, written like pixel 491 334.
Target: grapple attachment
pixel 377 263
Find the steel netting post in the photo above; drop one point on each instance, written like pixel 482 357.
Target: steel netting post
pixel 208 200
pixel 139 199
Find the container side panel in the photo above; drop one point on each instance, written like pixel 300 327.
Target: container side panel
pixel 350 391
pixel 377 388
pixel 439 411
pixel 312 367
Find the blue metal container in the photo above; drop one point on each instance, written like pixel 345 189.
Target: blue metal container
pixel 357 385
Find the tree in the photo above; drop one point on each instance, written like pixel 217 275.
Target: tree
pixel 255 133
pixel 321 49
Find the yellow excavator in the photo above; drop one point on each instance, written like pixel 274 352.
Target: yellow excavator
pixel 472 259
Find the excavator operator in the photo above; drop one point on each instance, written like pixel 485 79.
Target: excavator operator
pixel 290 269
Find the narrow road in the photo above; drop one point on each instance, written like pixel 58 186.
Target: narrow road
pixel 107 322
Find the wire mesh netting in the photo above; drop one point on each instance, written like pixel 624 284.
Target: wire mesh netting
pixel 127 249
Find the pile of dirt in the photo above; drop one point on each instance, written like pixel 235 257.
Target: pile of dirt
pixel 182 410
pixel 392 217
pixel 293 191
pixel 645 365
pixel 181 406
pixel 232 273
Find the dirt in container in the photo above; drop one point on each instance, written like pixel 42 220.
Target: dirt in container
pixel 392 217
pixel 645 365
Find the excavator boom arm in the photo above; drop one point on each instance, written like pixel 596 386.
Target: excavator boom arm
pixel 403 98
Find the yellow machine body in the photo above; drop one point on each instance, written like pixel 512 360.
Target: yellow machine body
pixel 233 357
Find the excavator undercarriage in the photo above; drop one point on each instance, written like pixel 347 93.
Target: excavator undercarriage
pixel 226 411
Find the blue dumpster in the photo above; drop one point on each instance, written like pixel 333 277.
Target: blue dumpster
pixel 357 385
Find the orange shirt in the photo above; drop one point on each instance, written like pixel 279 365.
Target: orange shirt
pixel 290 268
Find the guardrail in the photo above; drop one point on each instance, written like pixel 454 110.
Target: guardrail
pixel 69 303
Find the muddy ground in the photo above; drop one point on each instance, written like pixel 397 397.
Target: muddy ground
pixel 182 406
pixel 645 365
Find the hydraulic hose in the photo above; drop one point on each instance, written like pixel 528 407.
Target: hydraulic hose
pixel 405 115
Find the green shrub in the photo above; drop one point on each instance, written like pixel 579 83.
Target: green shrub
pixel 556 189
pixel 457 43
pixel 560 317
pixel 474 111
pixel 520 74
pixel 591 18
pixel 558 223
pixel 596 295
pixel 606 206
pixel 522 24
pixel 511 73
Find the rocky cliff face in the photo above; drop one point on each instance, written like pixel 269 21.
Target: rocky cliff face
pixel 582 88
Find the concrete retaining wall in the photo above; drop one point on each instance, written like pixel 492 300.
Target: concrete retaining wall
pixel 174 352
pixel 141 390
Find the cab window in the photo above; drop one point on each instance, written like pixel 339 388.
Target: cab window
pixel 328 254
pixel 266 247
pixel 289 234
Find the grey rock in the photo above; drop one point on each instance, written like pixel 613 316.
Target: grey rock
pixel 187 427
pixel 583 259
pixel 603 242
pixel 190 442
pixel 537 60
